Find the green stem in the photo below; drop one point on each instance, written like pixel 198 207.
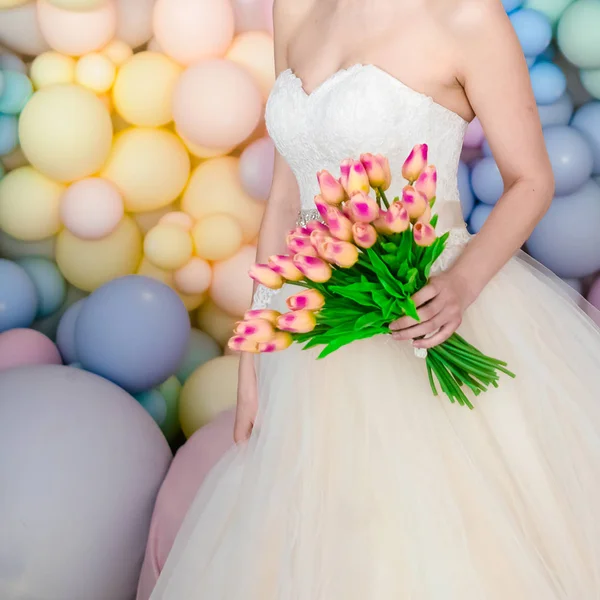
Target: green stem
pixel 381 194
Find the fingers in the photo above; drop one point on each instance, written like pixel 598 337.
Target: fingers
pixel 241 431
pixel 425 294
pixel 440 337
pixel 422 328
pixel 426 313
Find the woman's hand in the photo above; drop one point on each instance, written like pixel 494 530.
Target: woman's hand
pixel 247 399
pixel 440 306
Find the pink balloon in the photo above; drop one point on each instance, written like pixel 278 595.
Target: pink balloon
pixel 20 347
pixel 256 168
pixel 188 470
pixel 253 15
pixel 474 135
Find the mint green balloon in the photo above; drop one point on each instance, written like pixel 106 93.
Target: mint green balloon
pixel 170 391
pixel 17 91
pixel 590 79
pixel 579 34
pixel 553 9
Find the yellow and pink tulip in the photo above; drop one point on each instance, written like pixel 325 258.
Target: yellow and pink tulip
pixel 340 226
pixel 427 182
pixel 262 313
pixel 283 265
pixel 362 208
pixel 343 254
pixel 394 220
pixel 255 330
pixel 238 343
pixel 378 171
pixel 264 275
pixel 308 300
pixel 332 190
pixel 424 234
pixel 313 268
pixel 415 163
pixel 280 341
pixel 298 321
pixel 365 235
pixel 300 244
pixel 415 202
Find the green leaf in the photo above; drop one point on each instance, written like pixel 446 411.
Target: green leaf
pixel 380 298
pixel 358 297
pixel 433 221
pixel 409 308
pixel 402 270
pixel 369 319
pixel 390 246
pixel 347 339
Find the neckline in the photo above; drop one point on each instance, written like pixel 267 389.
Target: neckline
pixel 358 66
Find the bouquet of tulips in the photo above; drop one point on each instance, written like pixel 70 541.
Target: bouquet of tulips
pixel 360 266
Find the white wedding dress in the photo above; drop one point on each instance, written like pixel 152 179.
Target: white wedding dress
pixel 358 483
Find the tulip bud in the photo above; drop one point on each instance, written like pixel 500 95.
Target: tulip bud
pixel 340 226
pixel 281 340
pixel 239 343
pixel 358 180
pixel 426 216
pixel 283 265
pixel 313 268
pixel 316 226
pixel 317 239
pixel 300 244
pixel 415 163
pixel 345 169
pixel 378 170
pixel 363 208
pixel 299 321
pixel 262 313
pixel 321 205
pixel 264 275
pixel 424 234
pixel 427 182
pixel 394 220
pixel 414 202
pixel 364 234
pixel 332 190
pixel 310 300
pixel 255 330
pixel 343 254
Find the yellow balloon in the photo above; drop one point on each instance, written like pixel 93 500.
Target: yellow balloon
pixel 149 166
pixel 118 51
pixel 194 277
pixel 29 204
pixel 215 187
pixel 202 152
pixel 216 322
pixel 209 390
pixel 77 4
pixel 65 132
pixel 217 237
pixel 51 68
pixel 168 246
pixel 12 3
pixel 143 90
pixel 147 220
pixel 88 264
pixel 96 72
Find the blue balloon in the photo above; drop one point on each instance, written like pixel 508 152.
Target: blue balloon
pixel 9 134
pixel 134 331
pixel 156 405
pixel 49 283
pixel 566 240
pixel 485 148
pixel 65 334
pixel 571 157
pixel 465 193
pixel 18 297
pixel 530 60
pixel 486 181
pixel 548 82
pixel 587 122
pixel 510 5
pixel 17 91
pixel 558 113
pixel 533 30
pixel 479 216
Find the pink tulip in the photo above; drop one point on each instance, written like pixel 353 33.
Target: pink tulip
pixel 283 264
pixel 415 202
pixel 298 321
pixel 332 190
pixel 300 231
pixel 317 239
pixel 343 254
pixel 300 244
pixel 239 343
pixel 313 268
pixel 424 234
pixel 316 226
pixel 363 208
pixel 358 180
pixel 266 276
pixel 415 163
pixel 255 330
pixel 394 220
pixel 426 216
pixel 364 234
pixel 340 226
pixel 310 300
pixel 378 170
pixel 262 313
pixel 321 205
pixel 281 340
pixel 345 169
pixel 427 182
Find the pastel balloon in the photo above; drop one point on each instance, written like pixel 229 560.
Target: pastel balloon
pixel 510 5
pixel 533 30
pixel 231 287
pixel 217 237
pixel 201 348
pixel 65 333
pixel 88 264
pixel 548 82
pixel 577 34
pixel 118 52
pixel 587 122
pixel 77 32
pixel 134 331
pixel 191 30
pixel 96 72
pixel 208 391
pixel 18 296
pixel 168 246
pixel 467 199
pixel 553 9
pixel 29 204
pixel 20 31
pixel 178 218
pixel 474 135
pixel 11 3
pixel 558 113
pixel 13 248
pixel 9 134
pixel 486 181
pixel 143 91
pixel 51 68
pixel 91 208
pixel 213 320
pixel 149 166
pixel 149 219
pixel 590 79
pixel 594 294
pixel 155 404
pixel 17 92
pixel 11 62
pixel 479 216
pixel 65 132
pixel 256 168
pixel 194 277
pixel 50 285
pixel 134 21
pixel 170 391
pixel 20 347
pixel 216 103
pixel 78 4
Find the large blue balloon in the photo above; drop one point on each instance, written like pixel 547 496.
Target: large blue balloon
pixel 465 193
pixel 134 331
pixel 548 82
pixel 18 297
pixel 533 30
pixel 479 216
pixel 558 113
pixel 486 181
pixel 510 5
pixel 566 240
pixel 65 333
pixel 48 280
pixel 571 157
pixel 587 122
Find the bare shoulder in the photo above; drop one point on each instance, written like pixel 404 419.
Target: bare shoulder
pixel 476 19
pixel 287 17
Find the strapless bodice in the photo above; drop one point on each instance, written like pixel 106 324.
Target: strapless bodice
pixel 364 109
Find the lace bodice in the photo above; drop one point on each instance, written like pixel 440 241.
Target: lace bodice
pixel 365 109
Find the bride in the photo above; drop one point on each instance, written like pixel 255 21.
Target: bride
pixel 350 480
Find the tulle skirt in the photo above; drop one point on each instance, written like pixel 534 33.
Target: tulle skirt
pixel 359 484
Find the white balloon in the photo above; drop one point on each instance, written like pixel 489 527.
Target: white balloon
pixel 134 21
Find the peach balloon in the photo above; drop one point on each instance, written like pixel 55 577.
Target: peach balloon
pixel 215 187
pixel 118 52
pixel 20 31
pixel 256 168
pixel 78 4
pixel 96 72
pixel 77 33
pixel 51 68
pixel 231 287
pixel 190 30
pixel 178 218
pixel 201 152
pixel 217 237
pixel 168 246
pixel 11 3
pixel 134 21
pixel 253 15
pixel 254 51
pixel 20 347
pixel 91 208
pixel 154 46
pixel 216 104
pixel 147 220
pixel 194 277
pixel 216 322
